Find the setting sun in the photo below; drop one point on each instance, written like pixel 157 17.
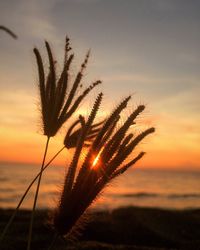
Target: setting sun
pixel 96 160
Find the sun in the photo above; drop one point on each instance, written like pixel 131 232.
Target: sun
pixel 96 160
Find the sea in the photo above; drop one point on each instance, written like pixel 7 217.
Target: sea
pixel 158 188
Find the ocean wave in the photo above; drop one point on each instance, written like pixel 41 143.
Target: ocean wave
pixel 8 199
pixel 139 194
pixel 4 179
pixel 158 195
pixel 174 196
pixel 7 190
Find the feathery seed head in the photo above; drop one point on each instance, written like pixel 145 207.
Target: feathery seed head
pixel 58 103
pixel 104 161
pixel 72 135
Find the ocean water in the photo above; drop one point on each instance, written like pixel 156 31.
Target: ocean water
pixel 138 187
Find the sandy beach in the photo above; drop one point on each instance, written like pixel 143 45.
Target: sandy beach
pixel 123 228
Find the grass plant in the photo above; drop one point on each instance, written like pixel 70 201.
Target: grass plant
pixel 105 160
pixel 8 31
pixel 108 143
pixel 70 142
pixel 58 104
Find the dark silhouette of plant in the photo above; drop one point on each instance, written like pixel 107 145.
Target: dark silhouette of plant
pixel 105 160
pixel 108 143
pixel 8 31
pixel 72 137
pixel 57 103
pixel 70 142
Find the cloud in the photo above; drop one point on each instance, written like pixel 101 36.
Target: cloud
pixel 17 109
pixel 154 86
pixel 148 48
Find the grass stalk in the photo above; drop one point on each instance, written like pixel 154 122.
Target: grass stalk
pixel 36 196
pixel 8 31
pixel 53 241
pixel 24 195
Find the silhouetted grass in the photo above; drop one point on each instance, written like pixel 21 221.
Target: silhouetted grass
pixel 58 104
pixel 105 160
pixel 8 31
pixel 109 143
pixel 70 142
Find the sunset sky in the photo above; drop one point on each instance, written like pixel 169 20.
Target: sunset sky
pixel 148 48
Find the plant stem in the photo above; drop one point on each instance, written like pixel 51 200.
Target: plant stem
pixel 36 196
pixel 24 195
pixel 53 241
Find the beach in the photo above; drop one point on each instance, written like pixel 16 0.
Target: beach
pixel 122 228
pixel 145 209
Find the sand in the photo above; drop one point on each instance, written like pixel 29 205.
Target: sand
pixel 123 228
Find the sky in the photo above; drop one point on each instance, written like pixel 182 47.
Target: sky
pixel 147 48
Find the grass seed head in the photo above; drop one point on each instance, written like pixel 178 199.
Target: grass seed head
pixel 104 161
pixel 58 103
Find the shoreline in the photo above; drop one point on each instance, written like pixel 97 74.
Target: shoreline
pixel 123 228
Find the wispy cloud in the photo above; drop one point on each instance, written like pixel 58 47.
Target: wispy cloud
pixel 147 48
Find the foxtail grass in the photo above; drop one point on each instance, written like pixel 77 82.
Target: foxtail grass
pixel 25 194
pixel 70 142
pixel 106 159
pixel 8 31
pixel 57 102
pixel 72 135
pixel 109 143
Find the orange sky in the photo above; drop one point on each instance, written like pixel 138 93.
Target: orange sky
pixel 150 50
pixel 172 145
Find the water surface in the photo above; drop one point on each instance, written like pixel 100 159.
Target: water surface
pixel 138 187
